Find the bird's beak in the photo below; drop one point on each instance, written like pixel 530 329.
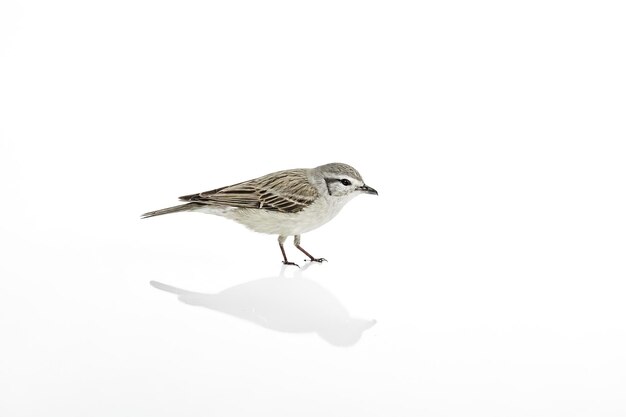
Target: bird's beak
pixel 367 189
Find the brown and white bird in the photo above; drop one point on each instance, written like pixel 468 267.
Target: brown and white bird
pixel 284 203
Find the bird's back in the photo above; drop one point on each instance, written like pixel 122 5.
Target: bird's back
pixel 288 191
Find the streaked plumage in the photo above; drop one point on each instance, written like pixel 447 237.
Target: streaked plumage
pixel 286 203
pixel 285 191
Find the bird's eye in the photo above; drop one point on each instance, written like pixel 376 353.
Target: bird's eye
pixel 346 182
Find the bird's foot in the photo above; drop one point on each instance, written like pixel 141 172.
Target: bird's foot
pixel 319 260
pixel 291 263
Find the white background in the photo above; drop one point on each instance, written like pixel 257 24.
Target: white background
pixel 492 261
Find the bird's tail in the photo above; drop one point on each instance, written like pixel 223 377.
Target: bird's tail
pixel 175 209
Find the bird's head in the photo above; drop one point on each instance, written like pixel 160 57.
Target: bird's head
pixel 341 180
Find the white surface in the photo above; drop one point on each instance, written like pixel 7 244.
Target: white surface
pixel 492 261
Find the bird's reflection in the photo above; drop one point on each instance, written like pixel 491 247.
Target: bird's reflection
pixel 287 304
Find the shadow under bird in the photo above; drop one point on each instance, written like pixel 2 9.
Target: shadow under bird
pixel 289 305
pixel 284 203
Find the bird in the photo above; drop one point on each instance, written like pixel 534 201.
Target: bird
pixel 284 203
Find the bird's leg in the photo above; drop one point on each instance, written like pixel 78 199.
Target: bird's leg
pixel 296 242
pixel 281 240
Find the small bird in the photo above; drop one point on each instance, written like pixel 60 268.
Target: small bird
pixel 284 203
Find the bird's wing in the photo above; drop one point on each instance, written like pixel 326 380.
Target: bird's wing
pixel 285 191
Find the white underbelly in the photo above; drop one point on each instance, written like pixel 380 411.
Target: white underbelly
pixel 286 224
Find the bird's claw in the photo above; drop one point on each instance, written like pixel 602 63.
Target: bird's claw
pixel 319 260
pixel 291 263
